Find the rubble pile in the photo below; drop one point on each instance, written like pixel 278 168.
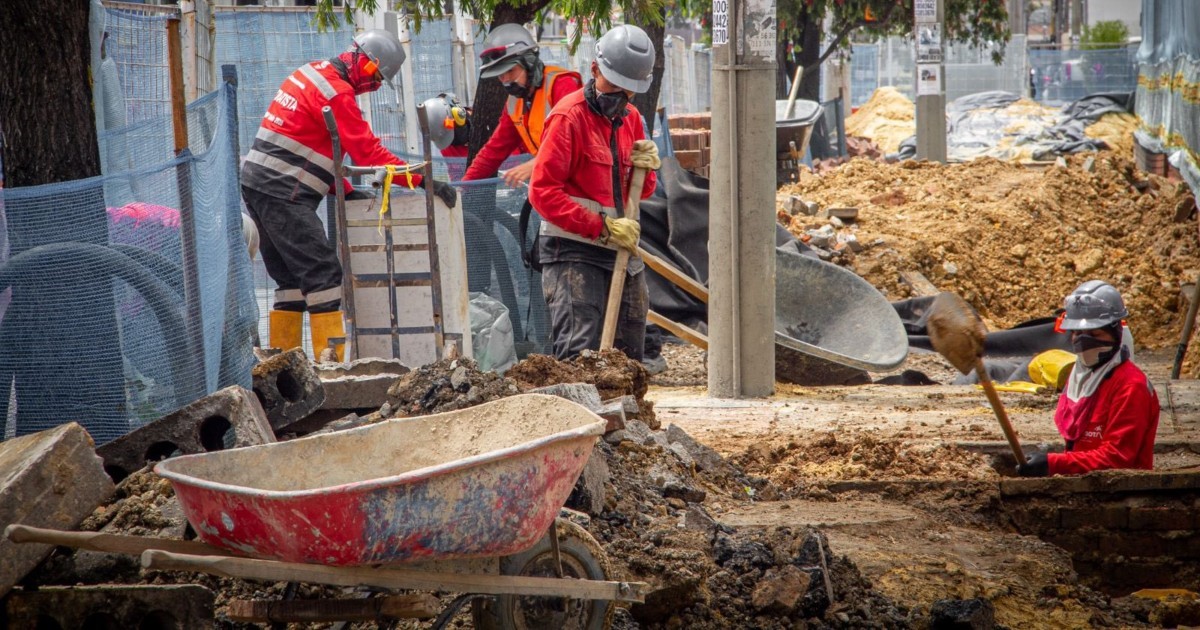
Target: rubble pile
pixel 1011 240
pixel 655 526
pixel 613 374
pixel 447 385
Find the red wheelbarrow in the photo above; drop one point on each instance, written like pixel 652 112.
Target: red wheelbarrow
pixel 464 502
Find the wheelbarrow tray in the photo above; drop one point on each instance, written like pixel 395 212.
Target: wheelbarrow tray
pixel 483 481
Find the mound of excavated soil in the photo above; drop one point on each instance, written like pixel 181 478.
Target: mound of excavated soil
pixel 860 456
pixel 446 385
pixel 613 373
pixel 1014 240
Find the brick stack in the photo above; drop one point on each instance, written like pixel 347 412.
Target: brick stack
pixel 690 138
pixel 1124 530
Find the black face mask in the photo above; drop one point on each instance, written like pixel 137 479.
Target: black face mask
pixel 612 104
pixel 514 89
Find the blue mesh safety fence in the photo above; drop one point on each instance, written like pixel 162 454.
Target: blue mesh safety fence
pixel 137 41
pixel 98 327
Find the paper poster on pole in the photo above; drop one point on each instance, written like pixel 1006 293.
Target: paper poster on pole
pixel 720 25
pixel 759 27
pixel 929 43
pixel 929 81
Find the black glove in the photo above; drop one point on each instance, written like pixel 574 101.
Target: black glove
pixel 1036 466
pixel 445 192
pixel 354 194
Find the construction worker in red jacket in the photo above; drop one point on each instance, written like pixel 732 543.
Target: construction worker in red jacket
pixel 510 55
pixel 289 170
pixel 1108 413
pixel 592 141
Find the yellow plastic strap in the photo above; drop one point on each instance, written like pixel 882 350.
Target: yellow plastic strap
pixel 387 195
pixel 1020 387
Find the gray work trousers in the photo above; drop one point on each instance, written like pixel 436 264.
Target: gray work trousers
pixel 576 294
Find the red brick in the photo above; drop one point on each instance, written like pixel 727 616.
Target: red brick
pixel 1159 518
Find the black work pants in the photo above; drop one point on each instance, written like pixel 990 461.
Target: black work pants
pixel 297 253
pixel 576 295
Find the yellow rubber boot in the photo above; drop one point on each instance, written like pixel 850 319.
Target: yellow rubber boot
pixel 285 329
pixel 326 326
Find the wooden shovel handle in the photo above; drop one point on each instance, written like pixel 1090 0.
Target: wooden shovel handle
pixel 998 407
pixel 616 287
pixel 108 543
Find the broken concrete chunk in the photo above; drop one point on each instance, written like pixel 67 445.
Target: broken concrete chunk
pixel 367 366
pixel 182 606
pixel 706 459
pixel 584 394
pixel 288 388
pixel 589 494
pixel 845 214
pixel 357 392
pixel 52 479
pixel 697 520
pixel 228 418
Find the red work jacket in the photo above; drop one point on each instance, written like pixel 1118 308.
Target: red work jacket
pixel 521 131
pixel 1121 430
pixel 576 160
pixel 291 157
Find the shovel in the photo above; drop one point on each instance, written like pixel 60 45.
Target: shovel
pixel 957 334
pixel 608 335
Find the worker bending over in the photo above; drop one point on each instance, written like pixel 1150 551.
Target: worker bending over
pixel 511 55
pixel 1108 413
pixel 289 170
pixel 592 141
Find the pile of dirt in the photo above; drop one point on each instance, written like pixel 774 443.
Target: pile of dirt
pixel 860 456
pixel 447 385
pixel 656 527
pixel 613 374
pixel 1013 240
pixel 887 119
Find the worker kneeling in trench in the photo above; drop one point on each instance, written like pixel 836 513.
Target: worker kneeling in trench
pixel 1108 413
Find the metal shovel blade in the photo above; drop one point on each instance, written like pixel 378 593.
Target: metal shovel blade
pixel 955 331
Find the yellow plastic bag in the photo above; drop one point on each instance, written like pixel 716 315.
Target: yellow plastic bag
pixel 1052 368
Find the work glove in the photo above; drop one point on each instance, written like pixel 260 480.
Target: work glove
pixel 445 192
pixel 354 194
pixel 1035 466
pixel 645 155
pixel 623 233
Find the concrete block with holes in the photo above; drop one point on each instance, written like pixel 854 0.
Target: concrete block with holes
pixel 288 388
pixel 227 418
pixel 50 479
pixel 180 606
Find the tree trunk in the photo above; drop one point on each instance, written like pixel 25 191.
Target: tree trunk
pixel 647 102
pixel 810 53
pixel 46 108
pixel 58 339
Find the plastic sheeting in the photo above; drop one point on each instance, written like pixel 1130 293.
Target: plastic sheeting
pixel 1168 92
pixel 1007 127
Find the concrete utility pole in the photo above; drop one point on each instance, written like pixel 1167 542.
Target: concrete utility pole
pixel 931 80
pixel 741 224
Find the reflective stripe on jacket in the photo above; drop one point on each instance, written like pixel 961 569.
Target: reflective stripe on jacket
pixel 291 157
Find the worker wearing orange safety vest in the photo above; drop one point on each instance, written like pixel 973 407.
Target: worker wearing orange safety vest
pixel 511 55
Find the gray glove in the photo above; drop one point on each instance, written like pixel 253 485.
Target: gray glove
pixel 445 192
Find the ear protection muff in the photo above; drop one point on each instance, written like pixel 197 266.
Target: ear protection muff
pixel 459 115
pixel 369 66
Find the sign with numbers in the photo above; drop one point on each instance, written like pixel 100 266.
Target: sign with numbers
pixel 720 26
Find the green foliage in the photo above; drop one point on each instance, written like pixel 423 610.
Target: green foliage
pixel 975 22
pixel 1104 34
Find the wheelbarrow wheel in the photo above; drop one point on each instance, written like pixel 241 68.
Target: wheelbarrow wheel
pixel 582 558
